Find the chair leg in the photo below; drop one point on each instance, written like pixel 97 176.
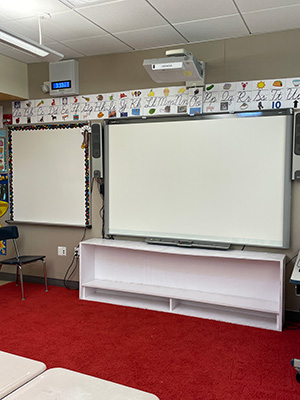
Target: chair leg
pixel 17 275
pixel 21 281
pixel 45 275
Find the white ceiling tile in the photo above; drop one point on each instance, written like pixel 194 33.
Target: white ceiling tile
pixel 213 28
pixel 97 45
pixel 16 9
pixel 152 37
pixel 3 18
pixel 140 24
pixel 68 52
pixel 75 4
pixel 66 26
pixel 29 30
pixel 272 20
pixel 124 16
pixel 191 10
pixel 255 5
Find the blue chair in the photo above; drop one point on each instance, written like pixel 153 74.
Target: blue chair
pixel 11 232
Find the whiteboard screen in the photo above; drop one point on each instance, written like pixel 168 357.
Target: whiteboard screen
pixel 48 176
pixel 220 179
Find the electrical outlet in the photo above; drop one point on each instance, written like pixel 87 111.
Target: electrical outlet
pixel 76 251
pixel 62 251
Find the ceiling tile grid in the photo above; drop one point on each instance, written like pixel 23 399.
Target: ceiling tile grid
pixel 79 28
pixel 259 5
pixel 275 19
pixel 124 16
pixel 93 46
pixel 65 26
pixel 191 10
pixel 213 28
pixel 152 37
pixel 160 36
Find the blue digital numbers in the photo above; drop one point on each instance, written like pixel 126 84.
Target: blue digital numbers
pixel 61 85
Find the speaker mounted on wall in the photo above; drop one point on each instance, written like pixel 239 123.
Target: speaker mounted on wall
pixel 296 147
pixel 97 159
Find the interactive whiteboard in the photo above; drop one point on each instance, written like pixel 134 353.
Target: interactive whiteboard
pixel 218 178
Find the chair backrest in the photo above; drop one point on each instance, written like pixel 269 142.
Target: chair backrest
pixel 9 232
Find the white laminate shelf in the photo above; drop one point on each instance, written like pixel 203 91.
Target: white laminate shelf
pixel 233 286
pixel 186 251
pixel 225 300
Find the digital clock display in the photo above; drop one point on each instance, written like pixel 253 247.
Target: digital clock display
pixel 61 85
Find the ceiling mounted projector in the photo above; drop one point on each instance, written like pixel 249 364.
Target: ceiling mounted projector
pixel 178 66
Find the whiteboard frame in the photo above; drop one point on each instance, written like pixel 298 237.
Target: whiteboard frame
pixel 284 241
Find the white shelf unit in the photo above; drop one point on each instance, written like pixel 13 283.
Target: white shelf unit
pixel 234 286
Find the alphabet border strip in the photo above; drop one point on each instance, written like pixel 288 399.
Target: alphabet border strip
pixel 219 97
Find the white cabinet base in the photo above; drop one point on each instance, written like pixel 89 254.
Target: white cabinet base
pixel 234 286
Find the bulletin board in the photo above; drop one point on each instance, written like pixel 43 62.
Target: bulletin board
pixel 49 174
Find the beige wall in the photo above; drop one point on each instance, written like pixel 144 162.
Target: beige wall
pixel 246 58
pixel 14 79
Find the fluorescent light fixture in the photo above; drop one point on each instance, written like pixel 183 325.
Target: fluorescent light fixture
pixel 14 41
pixel 29 46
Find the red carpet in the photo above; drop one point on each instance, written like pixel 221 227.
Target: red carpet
pixel 174 357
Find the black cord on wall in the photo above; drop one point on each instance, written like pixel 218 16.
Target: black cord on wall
pixel 68 283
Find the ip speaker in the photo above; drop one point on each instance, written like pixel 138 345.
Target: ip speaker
pixel 296 146
pixel 96 146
